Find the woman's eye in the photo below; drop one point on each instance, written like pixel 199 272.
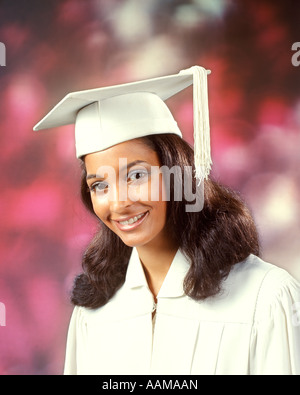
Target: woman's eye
pixel 99 187
pixel 137 176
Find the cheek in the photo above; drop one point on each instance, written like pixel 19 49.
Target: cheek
pixel 159 214
pixel 157 200
pixel 101 208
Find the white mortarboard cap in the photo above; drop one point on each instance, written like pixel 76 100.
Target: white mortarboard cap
pixel 108 116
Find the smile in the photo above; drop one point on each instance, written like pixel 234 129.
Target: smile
pixel 132 222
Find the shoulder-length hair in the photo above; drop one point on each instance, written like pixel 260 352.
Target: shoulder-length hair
pixel 214 239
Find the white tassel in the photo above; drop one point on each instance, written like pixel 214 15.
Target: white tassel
pixel 202 154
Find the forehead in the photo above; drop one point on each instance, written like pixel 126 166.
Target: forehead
pixel 132 150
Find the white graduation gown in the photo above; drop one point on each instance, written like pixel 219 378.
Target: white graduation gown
pixel 252 327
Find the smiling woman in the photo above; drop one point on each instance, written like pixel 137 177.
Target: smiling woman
pixel 164 226
pixel 166 289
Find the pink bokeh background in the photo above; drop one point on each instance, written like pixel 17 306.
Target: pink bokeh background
pixel 56 47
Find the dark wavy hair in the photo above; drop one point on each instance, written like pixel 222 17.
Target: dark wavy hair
pixel 214 239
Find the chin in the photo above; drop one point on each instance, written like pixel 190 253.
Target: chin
pixel 135 241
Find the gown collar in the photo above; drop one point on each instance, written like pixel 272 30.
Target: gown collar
pixel 173 282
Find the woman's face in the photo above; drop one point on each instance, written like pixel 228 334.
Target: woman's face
pixel 127 193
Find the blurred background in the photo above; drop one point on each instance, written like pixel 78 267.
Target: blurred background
pixel 58 46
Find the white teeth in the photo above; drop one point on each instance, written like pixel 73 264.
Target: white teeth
pixel 131 220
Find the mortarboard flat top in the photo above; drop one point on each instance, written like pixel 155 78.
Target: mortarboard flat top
pixel 65 112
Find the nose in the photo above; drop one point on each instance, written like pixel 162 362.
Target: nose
pixel 119 199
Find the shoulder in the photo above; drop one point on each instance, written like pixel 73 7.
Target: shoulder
pixel 81 315
pixel 278 291
pixel 258 275
pixel 126 303
pixel 269 282
pixel 252 288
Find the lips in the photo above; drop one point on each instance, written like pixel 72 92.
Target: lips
pixel 130 223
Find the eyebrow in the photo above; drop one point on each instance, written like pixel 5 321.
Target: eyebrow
pixel 133 163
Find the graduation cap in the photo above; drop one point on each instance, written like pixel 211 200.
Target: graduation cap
pixel 107 116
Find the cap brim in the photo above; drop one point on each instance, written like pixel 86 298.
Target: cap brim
pixel 66 110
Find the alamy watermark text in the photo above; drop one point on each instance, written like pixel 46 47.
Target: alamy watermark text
pixel 296 56
pixel 152 182
pixel 2 314
pixel 2 54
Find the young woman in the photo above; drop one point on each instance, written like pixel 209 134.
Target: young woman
pixel 166 289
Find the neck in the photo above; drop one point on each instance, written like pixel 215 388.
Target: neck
pixel 156 263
